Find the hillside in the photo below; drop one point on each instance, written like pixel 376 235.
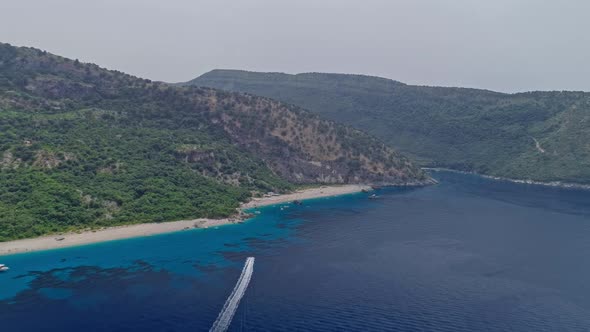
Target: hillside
pixel 541 136
pixel 83 146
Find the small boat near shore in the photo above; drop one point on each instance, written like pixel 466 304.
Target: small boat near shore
pixel 4 268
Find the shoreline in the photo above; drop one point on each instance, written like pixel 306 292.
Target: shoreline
pixel 555 184
pixel 304 194
pixel 73 239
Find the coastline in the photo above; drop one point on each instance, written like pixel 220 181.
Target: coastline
pixel 148 229
pixel 557 184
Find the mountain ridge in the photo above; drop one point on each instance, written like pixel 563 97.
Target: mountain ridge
pixel 237 72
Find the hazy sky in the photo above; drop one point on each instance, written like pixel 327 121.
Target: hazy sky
pixel 505 45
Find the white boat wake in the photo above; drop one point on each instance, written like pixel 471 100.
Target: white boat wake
pixel 233 301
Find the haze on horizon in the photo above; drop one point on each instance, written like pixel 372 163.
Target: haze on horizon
pixel 502 45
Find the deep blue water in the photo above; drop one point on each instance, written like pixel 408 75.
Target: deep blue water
pixel 470 254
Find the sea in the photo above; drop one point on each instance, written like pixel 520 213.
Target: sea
pixel 468 254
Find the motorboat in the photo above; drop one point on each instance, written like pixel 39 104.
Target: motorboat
pixel 4 268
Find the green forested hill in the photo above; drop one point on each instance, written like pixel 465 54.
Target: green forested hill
pixel 84 146
pixel 543 136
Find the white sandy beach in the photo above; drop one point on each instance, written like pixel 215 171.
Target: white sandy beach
pixel 130 231
pixel 318 192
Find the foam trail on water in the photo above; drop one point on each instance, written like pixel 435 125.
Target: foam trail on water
pixel 233 301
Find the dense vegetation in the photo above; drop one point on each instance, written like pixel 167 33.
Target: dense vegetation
pixel 82 146
pixel 540 136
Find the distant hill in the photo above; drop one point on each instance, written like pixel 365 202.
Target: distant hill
pixel 541 136
pixel 84 146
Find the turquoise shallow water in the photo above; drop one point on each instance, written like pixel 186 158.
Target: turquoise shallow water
pixel 187 253
pixel 470 254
